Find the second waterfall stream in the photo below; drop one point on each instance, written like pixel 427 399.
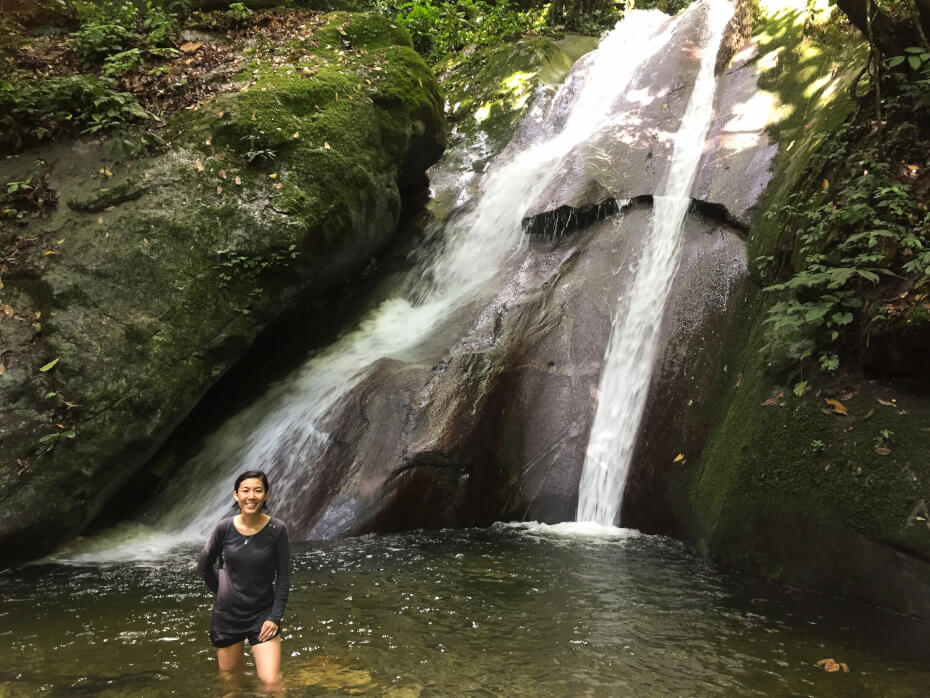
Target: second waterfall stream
pixel 631 351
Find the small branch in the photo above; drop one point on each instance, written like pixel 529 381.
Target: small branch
pixel 912 5
pixel 877 56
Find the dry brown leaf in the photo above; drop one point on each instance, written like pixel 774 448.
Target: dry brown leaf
pixel 883 450
pixel 222 174
pixel 831 665
pixel 209 141
pixel 2 369
pixel 773 400
pixel 100 220
pixel 219 189
pixel 887 403
pixel 680 457
pixel 199 165
pixel 273 175
pixel 838 407
pixel 326 145
pixel 190 46
pixel 826 184
pixel 238 181
pixel 7 310
pixel 48 252
pixel 847 394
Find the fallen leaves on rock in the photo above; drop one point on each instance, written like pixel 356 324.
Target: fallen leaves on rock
pixel 837 407
pixel 831 665
pixel 774 400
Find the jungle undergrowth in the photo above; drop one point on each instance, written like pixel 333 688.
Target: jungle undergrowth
pixel 854 254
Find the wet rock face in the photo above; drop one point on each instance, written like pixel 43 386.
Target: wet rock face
pixel 498 427
pixel 153 276
pixel 629 157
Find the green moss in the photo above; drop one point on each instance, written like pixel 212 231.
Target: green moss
pixel 365 30
pixel 786 488
pixel 810 79
pixel 490 89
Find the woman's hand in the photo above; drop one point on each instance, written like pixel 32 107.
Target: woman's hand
pixel 269 628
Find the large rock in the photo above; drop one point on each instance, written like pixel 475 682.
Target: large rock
pixel 734 169
pixel 498 426
pixel 153 276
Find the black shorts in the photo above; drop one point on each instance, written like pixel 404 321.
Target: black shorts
pixel 224 639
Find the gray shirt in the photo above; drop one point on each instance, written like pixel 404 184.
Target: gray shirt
pixel 252 582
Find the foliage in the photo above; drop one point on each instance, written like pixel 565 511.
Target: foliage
pixel 121 63
pixel 110 28
pixel 37 110
pixel 238 12
pixel 855 237
pixel 913 84
pixel 441 28
pixel 240 267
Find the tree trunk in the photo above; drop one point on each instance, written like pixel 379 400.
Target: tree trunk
pixel 890 38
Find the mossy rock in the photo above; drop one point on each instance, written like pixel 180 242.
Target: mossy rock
pixel 791 487
pixel 490 88
pixel 160 272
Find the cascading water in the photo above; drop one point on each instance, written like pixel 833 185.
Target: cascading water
pixel 633 343
pixel 284 430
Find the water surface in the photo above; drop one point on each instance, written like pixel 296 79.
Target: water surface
pixel 511 610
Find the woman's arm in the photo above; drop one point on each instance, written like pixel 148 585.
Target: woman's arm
pixel 206 563
pixel 282 552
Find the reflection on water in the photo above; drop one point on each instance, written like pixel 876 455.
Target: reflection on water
pixel 512 610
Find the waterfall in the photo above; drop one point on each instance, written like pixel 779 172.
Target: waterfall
pixel 634 337
pixel 283 431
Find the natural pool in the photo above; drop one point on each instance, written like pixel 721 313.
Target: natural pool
pixel 511 610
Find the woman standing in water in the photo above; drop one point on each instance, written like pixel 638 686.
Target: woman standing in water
pixel 251 584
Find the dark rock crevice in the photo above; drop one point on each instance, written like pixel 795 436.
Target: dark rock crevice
pixel 565 220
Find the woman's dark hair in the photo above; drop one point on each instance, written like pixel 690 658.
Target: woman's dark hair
pixel 248 474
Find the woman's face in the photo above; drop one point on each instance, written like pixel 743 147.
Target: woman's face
pixel 251 495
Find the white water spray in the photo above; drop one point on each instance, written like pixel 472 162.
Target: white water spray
pixel 634 337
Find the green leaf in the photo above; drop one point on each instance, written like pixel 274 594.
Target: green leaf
pixel 50 365
pixel 817 312
pixel 800 388
pixel 842 318
pixel 829 362
pixel 914 62
pixel 49 437
pixel 895 61
pixel 868 275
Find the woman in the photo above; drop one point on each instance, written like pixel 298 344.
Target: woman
pixel 251 585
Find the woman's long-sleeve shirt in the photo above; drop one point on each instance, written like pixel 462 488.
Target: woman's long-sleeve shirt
pixel 252 582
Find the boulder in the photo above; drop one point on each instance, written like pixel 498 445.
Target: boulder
pixel 153 276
